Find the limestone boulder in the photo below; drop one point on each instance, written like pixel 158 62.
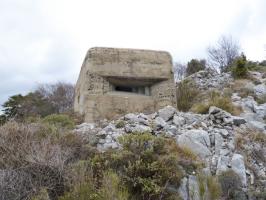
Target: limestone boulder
pixel 260 90
pixel 159 122
pixel 167 113
pixel 238 166
pixel 196 140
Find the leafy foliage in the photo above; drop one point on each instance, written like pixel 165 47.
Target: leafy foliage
pixel 46 100
pixel 59 120
pixel 239 69
pixel 195 65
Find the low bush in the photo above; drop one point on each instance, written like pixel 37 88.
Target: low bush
pixel 60 121
pixel 194 66
pixel 30 156
pixel 186 94
pixel 209 187
pixel 218 100
pixel 239 69
pixel 148 165
pixel 120 124
pixel 63 167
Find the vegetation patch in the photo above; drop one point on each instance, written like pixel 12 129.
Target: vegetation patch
pixel 186 95
pixel 216 99
pixel 60 121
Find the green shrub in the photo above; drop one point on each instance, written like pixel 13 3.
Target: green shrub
pixel 185 95
pixel 194 66
pixel 83 185
pixel 60 121
pixel 239 69
pixel 230 183
pixel 120 124
pixel 146 165
pixel 261 99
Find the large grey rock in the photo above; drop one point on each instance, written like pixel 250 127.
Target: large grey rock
pixel 183 189
pixel 159 122
pixel 218 143
pixel 260 90
pixel 193 187
pixel 167 112
pixel 259 126
pixel 238 166
pixel 222 164
pixel 196 140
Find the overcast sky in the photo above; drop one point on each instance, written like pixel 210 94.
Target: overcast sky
pixel 44 41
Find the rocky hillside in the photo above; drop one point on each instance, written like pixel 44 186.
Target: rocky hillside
pixel 212 147
pixel 222 141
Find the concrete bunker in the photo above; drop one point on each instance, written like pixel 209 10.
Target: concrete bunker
pixel 113 82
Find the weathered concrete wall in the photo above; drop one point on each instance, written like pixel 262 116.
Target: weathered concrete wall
pixel 106 69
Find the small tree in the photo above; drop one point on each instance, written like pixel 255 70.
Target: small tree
pixel 223 54
pixel 19 107
pixel 60 95
pixel 239 69
pixel 179 71
pixel 195 65
pixel 47 99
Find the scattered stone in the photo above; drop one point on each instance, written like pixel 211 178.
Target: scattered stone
pixel 159 122
pixel 224 132
pixel 222 165
pixel 238 121
pixel 179 121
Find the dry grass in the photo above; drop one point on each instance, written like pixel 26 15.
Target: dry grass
pixel 216 99
pixel 186 94
pixel 238 86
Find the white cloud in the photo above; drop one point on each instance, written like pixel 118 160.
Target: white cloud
pixel 46 40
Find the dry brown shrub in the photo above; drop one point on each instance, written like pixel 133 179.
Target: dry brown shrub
pixel 35 156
